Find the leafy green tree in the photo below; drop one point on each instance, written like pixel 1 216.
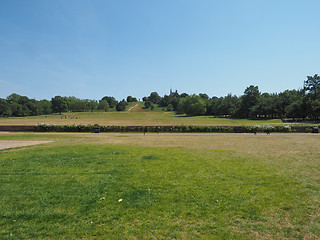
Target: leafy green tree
pixel 33 106
pixel 312 99
pixel 266 106
pixel 45 107
pixel 183 95
pixel 287 98
pixel 315 109
pixel 13 98
pixel 111 101
pixel 103 105
pixel 76 104
pixel 192 105
pixel 147 104
pixel 91 105
pixel 154 97
pixel 5 110
pixel 312 85
pixel 306 108
pixel 170 107
pixel 228 105
pixel 59 104
pixel 129 99
pixel 204 96
pixel 121 106
pixel 294 110
pixel 213 106
pixel 165 101
pixel 16 109
pixel 248 101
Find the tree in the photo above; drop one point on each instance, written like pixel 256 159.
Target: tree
pixel 59 104
pixel 111 101
pixel 147 104
pixel 45 107
pixel 248 101
pixel 170 107
pixel 76 104
pixel 183 95
pixel 287 98
pixel 13 98
pixel 315 106
pixel 91 105
pixel 34 107
pixel 204 96
pixel 312 85
pixel 154 97
pixel 16 109
pixel 103 105
pixel 228 105
pixel 121 106
pixel 294 110
pixel 5 110
pixel 267 106
pixel 129 99
pixel 192 105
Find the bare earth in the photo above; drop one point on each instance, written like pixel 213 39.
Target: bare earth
pixel 14 144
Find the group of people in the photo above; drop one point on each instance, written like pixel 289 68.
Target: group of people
pixel 71 117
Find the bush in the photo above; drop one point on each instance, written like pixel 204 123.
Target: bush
pixel 174 129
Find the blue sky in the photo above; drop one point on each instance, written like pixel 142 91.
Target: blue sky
pixel 95 48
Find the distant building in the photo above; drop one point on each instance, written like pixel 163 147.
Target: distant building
pixel 173 93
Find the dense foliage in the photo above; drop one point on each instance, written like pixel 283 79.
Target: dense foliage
pixel 19 106
pixel 162 129
pixel 303 103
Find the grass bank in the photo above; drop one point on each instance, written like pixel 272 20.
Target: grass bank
pixel 134 118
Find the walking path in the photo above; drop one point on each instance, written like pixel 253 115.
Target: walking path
pixel 133 107
pixel 14 144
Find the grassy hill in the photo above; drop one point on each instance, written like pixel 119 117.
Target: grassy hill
pixel 134 115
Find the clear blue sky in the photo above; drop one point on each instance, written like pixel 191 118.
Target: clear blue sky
pixel 95 48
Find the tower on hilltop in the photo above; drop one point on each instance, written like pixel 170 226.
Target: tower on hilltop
pixel 172 93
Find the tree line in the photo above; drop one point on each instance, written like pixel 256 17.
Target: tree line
pixel 302 103
pixel 16 105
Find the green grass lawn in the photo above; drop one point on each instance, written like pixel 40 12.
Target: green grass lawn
pixel 136 117
pixel 167 186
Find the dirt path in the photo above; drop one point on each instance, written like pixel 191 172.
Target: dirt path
pixel 133 107
pixel 14 144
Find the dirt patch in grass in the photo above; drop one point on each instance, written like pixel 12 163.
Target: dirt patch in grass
pixel 14 144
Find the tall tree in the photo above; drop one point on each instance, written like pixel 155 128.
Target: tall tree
pixel 121 106
pixel 312 85
pixel 192 105
pixel 111 101
pixel 154 97
pixel 248 101
pixel 45 106
pixel 5 110
pixel 59 104
pixel 103 105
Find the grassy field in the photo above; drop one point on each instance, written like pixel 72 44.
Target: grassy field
pixel 135 117
pixel 166 186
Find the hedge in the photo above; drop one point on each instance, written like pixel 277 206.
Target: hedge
pixel 161 129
